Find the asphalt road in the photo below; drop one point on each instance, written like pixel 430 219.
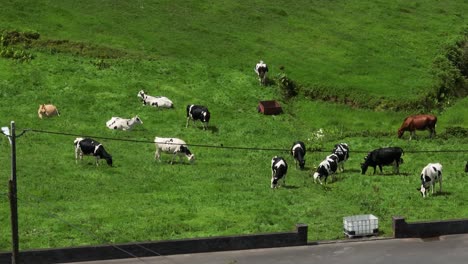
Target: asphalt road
pixel 442 250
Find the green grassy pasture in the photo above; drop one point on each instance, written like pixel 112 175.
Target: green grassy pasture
pixel 204 53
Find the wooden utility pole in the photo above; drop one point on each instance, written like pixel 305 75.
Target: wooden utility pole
pixel 13 198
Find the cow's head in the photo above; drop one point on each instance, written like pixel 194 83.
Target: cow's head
pixel 191 158
pixel 400 132
pixel 364 167
pixel 141 94
pixel 274 182
pixel 109 160
pixel 302 164
pixel 138 120
pixel 42 108
pixel 422 190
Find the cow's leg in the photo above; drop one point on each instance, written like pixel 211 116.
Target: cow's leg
pixel 97 160
pixel 431 132
pixel 157 155
pixel 173 157
pixel 77 150
pixel 186 124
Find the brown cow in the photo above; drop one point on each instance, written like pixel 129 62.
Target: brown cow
pixel 418 122
pixel 48 110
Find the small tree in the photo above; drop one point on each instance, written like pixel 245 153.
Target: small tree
pixel 287 86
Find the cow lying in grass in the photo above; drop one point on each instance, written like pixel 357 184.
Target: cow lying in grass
pixel 174 146
pixel 87 146
pixel 47 110
pixel 156 101
pixel 122 123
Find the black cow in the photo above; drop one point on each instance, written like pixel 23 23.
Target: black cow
pixel 466 167
pixel 326 168
pixel 383 157
pixel 198 112
pixel 342 151
pixel 298 152
pixel 279 168
pixel 87 146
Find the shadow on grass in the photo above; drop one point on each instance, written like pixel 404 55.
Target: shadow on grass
pixel 441 193
pixel 290 187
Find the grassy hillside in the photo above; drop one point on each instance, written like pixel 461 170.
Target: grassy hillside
pixel 372 47
pixel 204 53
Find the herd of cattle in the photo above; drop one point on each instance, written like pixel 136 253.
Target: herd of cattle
pixel 430 175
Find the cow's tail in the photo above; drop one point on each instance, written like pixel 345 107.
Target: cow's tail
pixel 77 141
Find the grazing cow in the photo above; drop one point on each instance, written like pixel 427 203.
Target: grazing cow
pixel 122 123
pixel 87 146
pixel 418 122
pixel 466 167
pixel 174 146
pixel 261 69
pixel 383 157
pixel 156 101
pixel 198 112
pixel 298 152
pixel 430 175
pixel 279 168
pixel 47 110
pixel 342 151
pixel 326 168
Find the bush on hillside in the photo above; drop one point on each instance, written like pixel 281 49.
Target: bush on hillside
pixel 450 71
pixel 9 47
pixel 288 87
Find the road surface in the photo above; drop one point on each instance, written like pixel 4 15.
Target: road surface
pixel 451 249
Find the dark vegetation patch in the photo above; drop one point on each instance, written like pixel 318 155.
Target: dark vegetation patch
pixel 458 132
pixel 16 44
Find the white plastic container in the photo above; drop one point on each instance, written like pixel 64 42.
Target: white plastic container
pixel 361 225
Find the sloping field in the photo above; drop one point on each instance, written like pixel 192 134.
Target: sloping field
pixel 93 57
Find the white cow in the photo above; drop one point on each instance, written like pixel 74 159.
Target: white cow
pixel 430 175
pixel 122 123
pixel 156 101
pixel 174 146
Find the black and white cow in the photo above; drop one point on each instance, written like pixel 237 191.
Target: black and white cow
pixel 342 151
pixel 279 168
pixel 326 168
pixel 174 146
pixel 430 175
pixel 198 112
pixel 383 157
pixel 88 146
pixel 298 152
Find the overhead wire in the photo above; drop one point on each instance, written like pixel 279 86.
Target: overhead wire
pixel 221 146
